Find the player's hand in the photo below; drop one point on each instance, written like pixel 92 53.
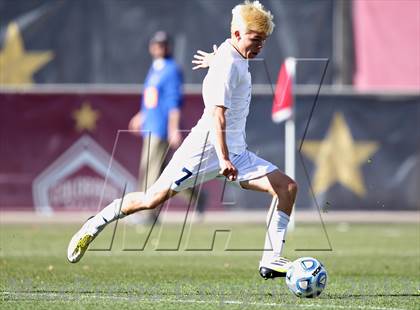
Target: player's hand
pixel 135 124
pixel 228 170
pixel 203 59
pixel 174 139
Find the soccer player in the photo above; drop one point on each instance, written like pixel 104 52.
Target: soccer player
pixel 216 146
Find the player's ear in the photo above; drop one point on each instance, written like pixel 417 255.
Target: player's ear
pixel 237 34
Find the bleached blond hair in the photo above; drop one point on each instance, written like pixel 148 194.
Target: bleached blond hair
pixel 252 16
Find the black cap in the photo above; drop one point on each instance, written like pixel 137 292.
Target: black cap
pixel 160 37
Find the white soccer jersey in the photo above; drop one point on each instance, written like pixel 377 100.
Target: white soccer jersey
pixel 228 84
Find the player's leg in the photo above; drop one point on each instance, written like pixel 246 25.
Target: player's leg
pixel 202 166
pixel 117 209
pixel 277 184
pixel 284 190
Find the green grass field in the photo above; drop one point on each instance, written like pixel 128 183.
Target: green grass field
pixel 373 266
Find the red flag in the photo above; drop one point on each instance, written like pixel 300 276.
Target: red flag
pixel 283 96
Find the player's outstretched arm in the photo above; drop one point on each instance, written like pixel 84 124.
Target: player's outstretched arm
pixel 203 59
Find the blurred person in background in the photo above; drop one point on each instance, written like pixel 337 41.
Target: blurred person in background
pixel 158 121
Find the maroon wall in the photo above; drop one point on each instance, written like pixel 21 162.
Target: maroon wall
pixel 46 157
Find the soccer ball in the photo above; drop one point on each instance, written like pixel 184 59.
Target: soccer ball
pixel 307 277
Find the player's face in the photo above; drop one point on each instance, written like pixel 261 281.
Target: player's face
pixel 251 43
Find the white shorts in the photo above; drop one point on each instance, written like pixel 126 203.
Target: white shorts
pixel 195 163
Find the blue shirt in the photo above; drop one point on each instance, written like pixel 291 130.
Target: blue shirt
pixel 162 93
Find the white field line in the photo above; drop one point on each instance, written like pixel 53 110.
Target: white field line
pixel 53 296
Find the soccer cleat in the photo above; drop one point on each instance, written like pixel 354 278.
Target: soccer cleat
pixel 275 269
pixel 79 243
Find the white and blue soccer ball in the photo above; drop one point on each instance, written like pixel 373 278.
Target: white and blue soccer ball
pixel 307 277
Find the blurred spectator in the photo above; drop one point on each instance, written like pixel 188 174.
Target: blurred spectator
pixel 159 118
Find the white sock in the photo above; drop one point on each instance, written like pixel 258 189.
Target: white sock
pixel 107 215
pixel 275 236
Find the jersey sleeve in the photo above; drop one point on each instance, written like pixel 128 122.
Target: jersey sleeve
pixel 222 79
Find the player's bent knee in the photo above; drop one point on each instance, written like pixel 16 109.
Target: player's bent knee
pixel 286 193
pixel 292 188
